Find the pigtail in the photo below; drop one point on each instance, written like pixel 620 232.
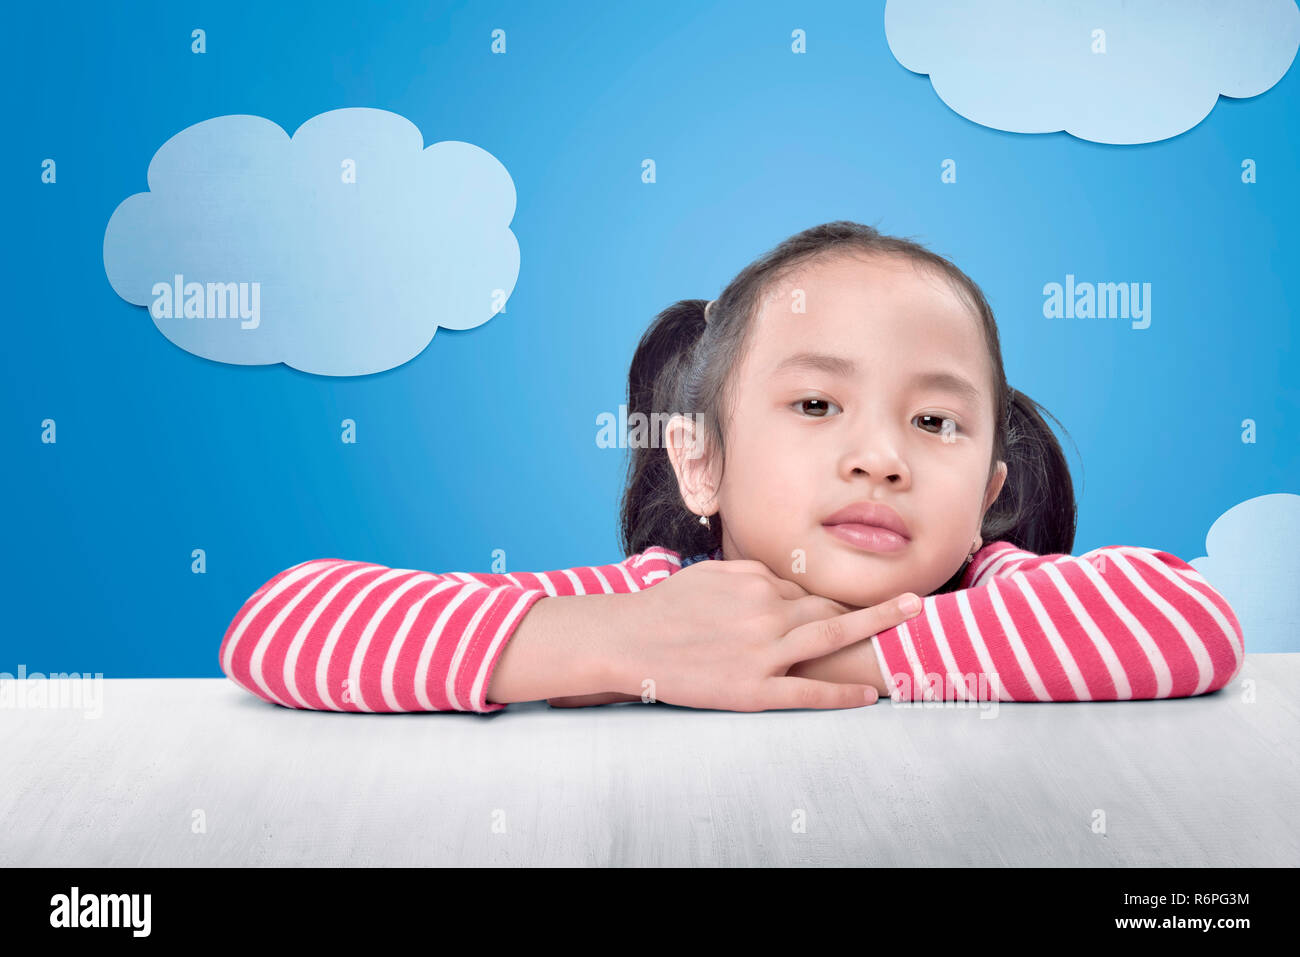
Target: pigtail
pixel 1036 509
pixel 652 511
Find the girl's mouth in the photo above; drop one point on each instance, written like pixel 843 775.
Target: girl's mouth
pixel 871 538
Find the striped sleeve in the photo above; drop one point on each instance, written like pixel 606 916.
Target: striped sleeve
pixel 339 635
pixel 1116 623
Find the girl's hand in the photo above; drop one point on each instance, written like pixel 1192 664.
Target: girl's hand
pixel 723 635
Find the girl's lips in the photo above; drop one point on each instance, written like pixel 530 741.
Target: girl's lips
pixel 871 538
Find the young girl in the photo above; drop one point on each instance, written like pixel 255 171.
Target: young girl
pixel 853 439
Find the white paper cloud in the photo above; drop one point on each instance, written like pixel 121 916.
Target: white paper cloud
pixel 1031 66
pixel 1253 562
pixel 338 251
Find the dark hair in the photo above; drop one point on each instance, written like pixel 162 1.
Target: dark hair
pixel 683 363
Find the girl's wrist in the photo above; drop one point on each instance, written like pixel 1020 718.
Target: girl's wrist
pixel 565 646
pixel 623 633
pixel 855 664
pixel 614 632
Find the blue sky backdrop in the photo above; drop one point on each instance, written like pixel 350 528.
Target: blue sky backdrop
pixel 486 439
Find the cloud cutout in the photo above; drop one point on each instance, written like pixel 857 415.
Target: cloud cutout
pixel 1253 563
pixel 338 251
pixel 1029 66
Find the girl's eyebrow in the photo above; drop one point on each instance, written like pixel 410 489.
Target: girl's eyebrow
pixel 845 368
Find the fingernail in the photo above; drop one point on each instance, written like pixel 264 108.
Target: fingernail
pixel 911 604
pixel 872 695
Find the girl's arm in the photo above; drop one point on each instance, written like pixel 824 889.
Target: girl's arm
pixel 341 635
pixel 1116 623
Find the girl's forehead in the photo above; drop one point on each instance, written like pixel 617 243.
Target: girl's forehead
pixel 853 304
pixel 880 283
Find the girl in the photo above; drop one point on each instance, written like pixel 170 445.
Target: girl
pixel 853 439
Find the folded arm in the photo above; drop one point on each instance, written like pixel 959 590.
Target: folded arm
pixel 339 635
pixel 1116 623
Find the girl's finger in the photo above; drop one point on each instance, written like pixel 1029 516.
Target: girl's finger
pixel 814 608
pixel 819 638
pixel 788 589
pixel 787 692
pixel 785 588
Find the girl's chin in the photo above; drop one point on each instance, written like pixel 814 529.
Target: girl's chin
pixel 849 591
pixel 851 597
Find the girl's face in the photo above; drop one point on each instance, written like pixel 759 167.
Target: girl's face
pixel 808 438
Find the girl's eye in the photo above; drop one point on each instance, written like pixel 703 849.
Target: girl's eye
pixel 802 402
pixel 946 426
pixel 943 424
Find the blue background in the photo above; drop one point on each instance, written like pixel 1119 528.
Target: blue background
pixel 486 440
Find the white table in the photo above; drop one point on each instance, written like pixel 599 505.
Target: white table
pixel 199 772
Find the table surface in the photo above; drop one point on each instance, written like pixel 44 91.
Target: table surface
pixel 199 772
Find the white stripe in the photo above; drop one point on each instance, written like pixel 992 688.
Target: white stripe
pixel 575 580
pixel 522 580
pixel 332 639
pixel 1192 575
pixel 654 553
pixel 1063 656
pixel 1123 690
pixel 303 571
pixel 951 672
pixel 987 666
pixel 995 561
pixel 1016 562
pixel 1013 639
pixel 477 692
pixel 268 636
pixel 989 555
pixel 913 662
pixel 604 582
pixel 463 643
pixel 394 649
pixel 295 646
pixel 655 576
pixel 1195 645
pixel 954 675
pixel 1160 667
pixel 421 677
pixel 548 586
pixel 363 643
pixel 632 583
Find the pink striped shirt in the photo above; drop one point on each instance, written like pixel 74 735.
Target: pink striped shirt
pixel 1118 622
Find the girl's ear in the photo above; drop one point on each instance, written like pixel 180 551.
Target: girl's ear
pixel 998 479
pixel 693 462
